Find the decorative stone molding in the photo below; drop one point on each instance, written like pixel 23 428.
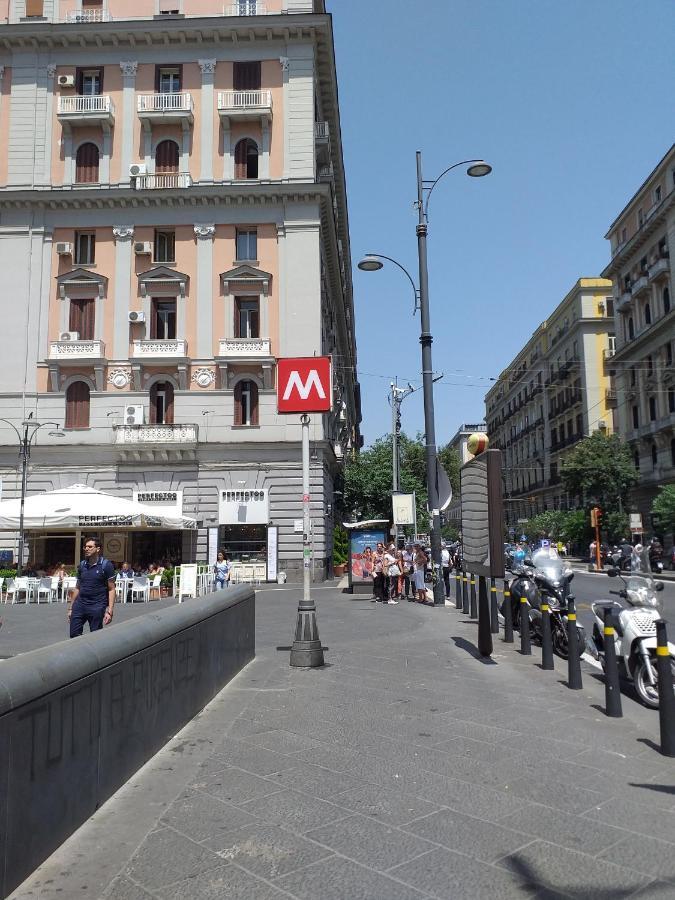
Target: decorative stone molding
pixel 129 67
pixel 162 281
pixel 284 63
pixel 205 231
pixel 51 70
pixel 248 276
pixel 203 377
pixel 119 378
pixel 80 280
pixel 207 66
pixel 123 232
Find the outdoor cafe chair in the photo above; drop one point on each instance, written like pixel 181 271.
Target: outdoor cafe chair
pixel 140 588
pixel 2 581
pixel 155 588
pixel 68 584
pixel 18 586
pixel 45 588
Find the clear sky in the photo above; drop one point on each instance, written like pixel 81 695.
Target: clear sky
pixel 571 103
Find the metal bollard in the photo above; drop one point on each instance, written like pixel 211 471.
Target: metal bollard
pixel 508 615
pixel 612 686
pixel 484 633
pixel 474 608
pixel 546 638
pixel 458 590
pixel 666 694
pixel 494 608
pixel 573 661
pixel 465 593
pixel 525 644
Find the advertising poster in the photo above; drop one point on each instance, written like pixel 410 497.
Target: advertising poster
pixel 362 546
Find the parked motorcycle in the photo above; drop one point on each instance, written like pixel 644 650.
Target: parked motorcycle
pixel 634 627
pixel 543 577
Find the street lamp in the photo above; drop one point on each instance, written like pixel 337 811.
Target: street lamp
pixel 30 429
pixel 476 168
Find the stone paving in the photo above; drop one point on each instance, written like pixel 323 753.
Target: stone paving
pixel 406 768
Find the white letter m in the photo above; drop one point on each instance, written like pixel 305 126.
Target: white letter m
pixel 304 389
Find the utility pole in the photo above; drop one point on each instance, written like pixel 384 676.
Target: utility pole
pixel 397 397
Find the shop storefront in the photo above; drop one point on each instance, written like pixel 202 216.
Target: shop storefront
pixel 243 527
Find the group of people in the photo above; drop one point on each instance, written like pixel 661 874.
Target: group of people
pixel 403 573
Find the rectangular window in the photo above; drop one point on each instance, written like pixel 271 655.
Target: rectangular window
pixel 165 246
pixel 609 305
pixel 633 376
pixel 669 354
pixel 657 194
pixel 81 318
pixel 34 8
pixel 636 417
pixel 246 317
pixel 641 217
pixel 652 409
pixel 89 82
pixel 671 400
pixel 163 319
pixel 85 248
pixel 168 79
pixel 247 244
pixel 580 424
pixel 246 76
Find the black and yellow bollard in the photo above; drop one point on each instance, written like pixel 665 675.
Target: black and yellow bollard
pixel 494 608
pixel 525 643
pixel 508 615
pixel 465 593
pixel 484 633
pixel 474 607
pixel 573 662
pixel 666 695
pixel 458 589
pixel 612 686
pixel 546 637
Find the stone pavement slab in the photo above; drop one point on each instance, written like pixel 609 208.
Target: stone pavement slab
pixel 406 768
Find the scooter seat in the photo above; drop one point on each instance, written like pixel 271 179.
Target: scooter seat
pixel 616 609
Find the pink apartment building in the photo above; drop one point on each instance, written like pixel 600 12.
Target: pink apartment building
pixel 173 219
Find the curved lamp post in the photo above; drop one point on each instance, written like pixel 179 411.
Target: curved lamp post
pixel 476 168
pixel 30 429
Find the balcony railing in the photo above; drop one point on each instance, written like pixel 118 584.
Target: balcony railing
pixel 321 131
pixel 608 353
pixel 133 435
pixel 660 267
pixel 68 350
pixel 244 100
pixel 80 16
pixel 641 284
pixel 245 8
pixel 86 108
pixel 624 298
pixel 179 103
pixel 158 349
pixel 163 180
pixel 244 348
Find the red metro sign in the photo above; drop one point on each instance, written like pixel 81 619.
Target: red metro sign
pixel 304 384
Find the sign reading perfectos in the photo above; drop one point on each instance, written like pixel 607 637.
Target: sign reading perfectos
pixel 304 384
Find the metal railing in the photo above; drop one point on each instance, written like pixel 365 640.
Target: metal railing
pixel 244 100
pixel 163 180
pixel 180 101
pixel 245 8
pixel 85 103
pixel 83 15
pixel 321 130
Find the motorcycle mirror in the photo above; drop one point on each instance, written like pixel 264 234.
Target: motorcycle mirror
pixel 658 586
pixel 570 576
pixel 612 572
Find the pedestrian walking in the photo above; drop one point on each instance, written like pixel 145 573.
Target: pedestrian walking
pixel 221 572
pixel 392 572
pixel 378 575
pixel 445 563
pixel 93 599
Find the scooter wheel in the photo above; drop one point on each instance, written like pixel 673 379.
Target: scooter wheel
pixel 648 693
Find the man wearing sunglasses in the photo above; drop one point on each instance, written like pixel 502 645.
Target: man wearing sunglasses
pixel 93 599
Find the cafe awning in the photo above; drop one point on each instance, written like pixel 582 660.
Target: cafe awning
pixel 81 506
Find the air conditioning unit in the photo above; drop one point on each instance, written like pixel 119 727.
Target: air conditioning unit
pixel 338 450
pixel 136 317
pixel 64 248
pixel 69 336
pixel 133 415
pixel 602 424
pixel 66 81
pixel 137 169
pixel 142 247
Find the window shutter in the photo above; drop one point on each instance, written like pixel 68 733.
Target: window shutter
pixel 254 402
pixel 240 152
pixel 237 317
pixel 246 76
pixel 237 403
pixel 81 318
pixel 166 157
pixel 86 164
pixel 255 323
pixel 77 405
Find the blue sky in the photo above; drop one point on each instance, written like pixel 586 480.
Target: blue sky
pixel 569 100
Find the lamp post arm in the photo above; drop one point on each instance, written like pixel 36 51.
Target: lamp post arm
pixel 405 272
pixel 430 185
pixel 13 426
pixel 36 428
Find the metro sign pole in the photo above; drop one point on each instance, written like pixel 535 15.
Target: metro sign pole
pixel 304 385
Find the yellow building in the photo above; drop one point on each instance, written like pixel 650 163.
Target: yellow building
pixel 553 393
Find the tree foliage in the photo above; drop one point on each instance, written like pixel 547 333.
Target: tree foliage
pixel 550 524
pixel 600 470
pixel 664 507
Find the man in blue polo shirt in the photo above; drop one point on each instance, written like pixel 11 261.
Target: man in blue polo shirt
pixel 93 599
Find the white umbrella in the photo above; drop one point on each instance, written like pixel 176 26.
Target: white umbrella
pixel 81 506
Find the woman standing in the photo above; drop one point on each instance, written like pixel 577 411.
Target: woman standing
pixel 392 570
pixel 378 575
pixel 420 559
pixel 221 571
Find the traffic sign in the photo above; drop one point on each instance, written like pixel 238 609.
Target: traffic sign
pixel 304 384
pixel 636 523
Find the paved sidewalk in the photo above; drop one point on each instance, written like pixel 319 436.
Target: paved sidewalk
pixel 405 768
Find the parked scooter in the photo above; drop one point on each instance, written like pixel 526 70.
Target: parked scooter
pixel 635 627
pixel 544 577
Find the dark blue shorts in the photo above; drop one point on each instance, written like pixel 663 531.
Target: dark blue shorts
pixel 84 611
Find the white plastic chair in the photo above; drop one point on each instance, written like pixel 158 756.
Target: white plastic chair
pixel 68 584
pixel 260 573
pixel 16 587
pixel 44 589
pixel 54 596
pixel 140 588
pixel 10 590
pixel 2 581
pixel 155 587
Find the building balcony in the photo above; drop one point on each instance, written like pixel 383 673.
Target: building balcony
pixel 83 16
pixel 245 8
pixel 68 351
pixel 608 353
pixel 159 350
pixel 322 142
pixel 244 348
pixel 156 443
pixel 624 299
pixel 240 106
pixel 97 109
pixel 166 109
pixel 163 181
pixel 640 285
pixel 611 401
pixel 325 174
pixel 660 268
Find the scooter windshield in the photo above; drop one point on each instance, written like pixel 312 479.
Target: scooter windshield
pixel 548 563
pixel 641 591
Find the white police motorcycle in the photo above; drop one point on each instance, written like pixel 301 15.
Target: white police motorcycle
pixel 634 627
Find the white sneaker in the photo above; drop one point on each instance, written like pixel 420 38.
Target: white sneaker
pixel 392 602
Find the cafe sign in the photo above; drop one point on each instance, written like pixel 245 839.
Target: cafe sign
pixel 244 506
pixel 169 503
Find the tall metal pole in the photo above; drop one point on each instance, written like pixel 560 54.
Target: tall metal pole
pixel 25 453
pixel 395 402
pixel 306 521
pixel 428 389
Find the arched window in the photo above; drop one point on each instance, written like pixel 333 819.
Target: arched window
pixel 246 159
pixel 246 403
pixel 655 456
pixel 648 314
pixel 161 403
pixel 666 301
pixel 167 156
pixel 86 164
pixel 636 461
pixel 631 328
pixel 77 405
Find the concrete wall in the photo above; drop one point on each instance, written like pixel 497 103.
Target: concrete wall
pixel 77 719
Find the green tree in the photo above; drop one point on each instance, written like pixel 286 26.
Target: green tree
pixel 664 507
pixel 548 524
pixel 577 527
pixel 600 470
pixel 615 525
pixel 340 545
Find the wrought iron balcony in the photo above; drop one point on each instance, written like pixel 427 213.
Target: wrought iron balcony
pixel 66 351
pixel 89 109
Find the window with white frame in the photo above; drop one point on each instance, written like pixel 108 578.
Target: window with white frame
pixel 247 244
pixel 85 248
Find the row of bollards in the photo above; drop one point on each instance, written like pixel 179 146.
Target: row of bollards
pixel 487 611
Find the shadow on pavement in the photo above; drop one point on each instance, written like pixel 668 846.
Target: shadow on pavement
pixel 532 883
pixel 462 644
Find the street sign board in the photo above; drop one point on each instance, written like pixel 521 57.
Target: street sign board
pixel 304 384
pixel 403 508
pixel 636 523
